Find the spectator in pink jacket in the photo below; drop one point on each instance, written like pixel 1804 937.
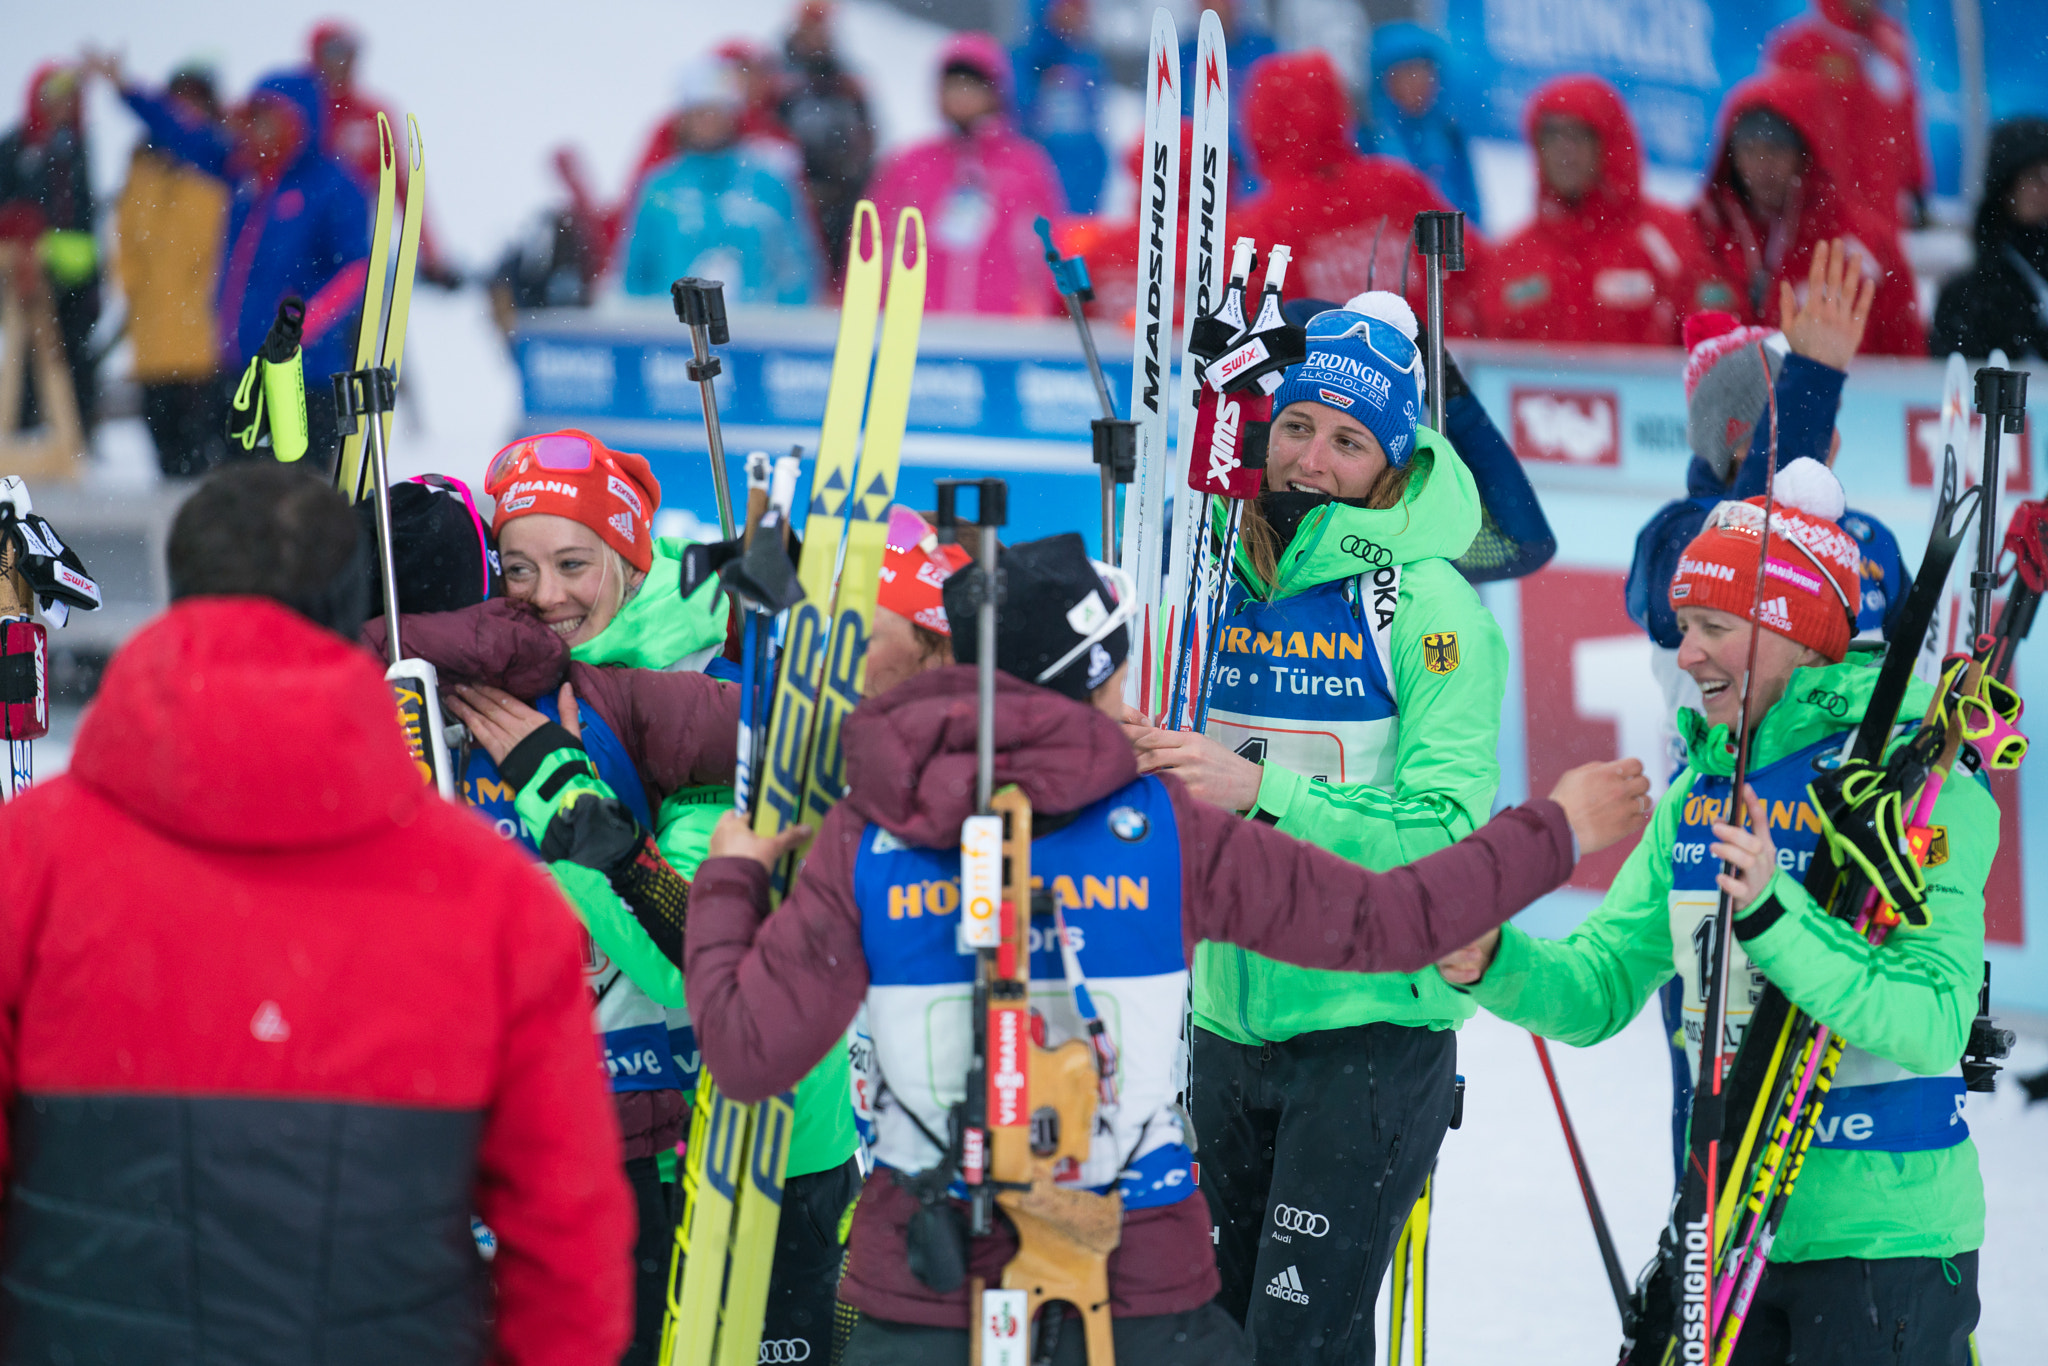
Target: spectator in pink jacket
pixel 980 185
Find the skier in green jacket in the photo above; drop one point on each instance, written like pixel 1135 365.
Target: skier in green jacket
pixel 1877 1255
pixel 574 529
pixel 1356 705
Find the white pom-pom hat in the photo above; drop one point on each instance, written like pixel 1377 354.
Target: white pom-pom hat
pixel 1813 570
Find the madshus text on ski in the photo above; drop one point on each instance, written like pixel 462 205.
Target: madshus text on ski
pixel 473 927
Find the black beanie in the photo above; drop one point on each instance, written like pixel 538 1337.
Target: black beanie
pixel 1052 601
pixel 443 555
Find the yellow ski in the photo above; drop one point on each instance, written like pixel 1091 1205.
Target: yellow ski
pixel 352 472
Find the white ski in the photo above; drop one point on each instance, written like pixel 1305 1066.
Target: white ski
pixel 1152 347
pixel 1208 188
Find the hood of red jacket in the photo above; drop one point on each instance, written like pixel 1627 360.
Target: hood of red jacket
pixel 1838 13
pixel 1805 101
pixel 1591 101
pixel 236 723
pixel 330 28
pixel 1298 117
pixel 984 54
pixel 35 125
pixel 910 753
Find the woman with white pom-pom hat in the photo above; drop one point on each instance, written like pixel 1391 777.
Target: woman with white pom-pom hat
pixel 1877 1254
pixel 1356 705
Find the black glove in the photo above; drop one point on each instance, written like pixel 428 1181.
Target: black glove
pixel 601 833
pixel 1863 819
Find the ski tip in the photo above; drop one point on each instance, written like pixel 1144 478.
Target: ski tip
pixel 910 233
pixel 864 243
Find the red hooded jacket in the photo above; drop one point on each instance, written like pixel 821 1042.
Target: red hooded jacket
pixel 1111 248
pixel 274 1021
pixel 1867 64
pixel 770 995
pixel 1614 267
pixel 1756 253
pixel 1330 203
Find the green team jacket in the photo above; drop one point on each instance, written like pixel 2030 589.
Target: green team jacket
pixel 1910 1000
pixel 1446 769
pixel 659 629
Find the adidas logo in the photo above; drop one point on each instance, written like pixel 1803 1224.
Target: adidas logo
pixel 1287 1286
pixel 1773 614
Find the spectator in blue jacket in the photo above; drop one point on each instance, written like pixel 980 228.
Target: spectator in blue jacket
pixel 1409 121
pixel 719 210
pixel 1059 97
pixel 298 225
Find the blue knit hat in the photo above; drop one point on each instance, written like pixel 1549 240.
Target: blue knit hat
pixel 1364 367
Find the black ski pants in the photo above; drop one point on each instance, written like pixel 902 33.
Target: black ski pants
pixel 1312 1153
pixel 188 422
pixel 1898 1311
pixel 1201 1337
pixel 803 1282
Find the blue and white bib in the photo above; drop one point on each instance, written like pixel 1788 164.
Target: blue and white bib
pixel 1875 1104
pixel 1115 870
pixel 1307 682
pixel 638 1052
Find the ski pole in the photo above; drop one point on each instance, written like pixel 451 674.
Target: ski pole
pixel 981 841
pixel 1115 439
pixel 1440 237
pixel 2002 402
pixel 700 306
pixel 1608 1257
pixel 370 393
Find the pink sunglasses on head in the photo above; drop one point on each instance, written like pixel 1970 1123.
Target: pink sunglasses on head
pixel 563 451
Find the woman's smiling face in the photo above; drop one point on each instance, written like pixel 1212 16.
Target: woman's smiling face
pixel 571 579
pixel 1313 448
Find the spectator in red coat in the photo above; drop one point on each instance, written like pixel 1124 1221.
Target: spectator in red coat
pixel 1599 263
pixel 1348 217
pixel 1866 60
pixel 352 132
pixel 275 1020
pixel 1776 191
pixel 1111 246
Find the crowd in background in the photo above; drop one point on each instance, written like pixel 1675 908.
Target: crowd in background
pixel 752 175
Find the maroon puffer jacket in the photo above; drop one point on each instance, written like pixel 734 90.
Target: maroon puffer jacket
pixel 770 998
pixel 680 730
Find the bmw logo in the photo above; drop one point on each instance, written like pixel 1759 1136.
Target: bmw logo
pixel 1128 824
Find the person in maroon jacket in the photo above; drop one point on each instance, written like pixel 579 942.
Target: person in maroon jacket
pixel 275 1020
pixel 870 920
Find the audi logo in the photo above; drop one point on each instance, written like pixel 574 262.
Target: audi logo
pixel 1300 1221
pixel 1372 552
pixel 785 1349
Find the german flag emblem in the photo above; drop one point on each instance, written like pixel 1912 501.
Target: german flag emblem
pixel 1440 652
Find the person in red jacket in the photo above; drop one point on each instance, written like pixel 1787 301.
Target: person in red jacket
pixel 1599 262
pixel 1111 246
pixel 1348 217
pixel 275 1020
pixel 1777 189
pixel 351 138
pixel 870 920
pixel 1866 59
